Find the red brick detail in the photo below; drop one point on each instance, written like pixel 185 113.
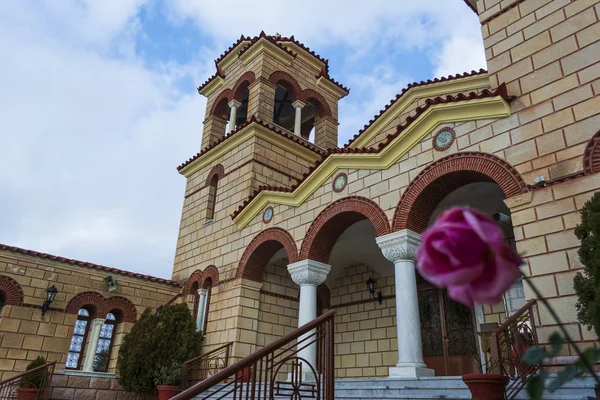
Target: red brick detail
pixel 11 290
pixel 218 170
pixel 219 106
pixel 318 100
pixel 126 311
pixel 289 83
pixel 591 156
pixel 447 174
pixel 195 277
pixel 261 249
pixel 334 220
pixel 96 300
pixel 210 275
pixel 242 85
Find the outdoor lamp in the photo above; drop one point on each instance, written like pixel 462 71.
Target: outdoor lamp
pixel 158 310
pixel 50 295
pixel 372 285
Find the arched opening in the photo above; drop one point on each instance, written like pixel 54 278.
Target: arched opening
pixel 78 339
pixel 212 197
pixel 310 113
pixel 283 112
pixel 207 285
pixel 242 94
pixel 103 353
pixel 2 302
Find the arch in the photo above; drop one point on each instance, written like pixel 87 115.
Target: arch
pixel 334 220
pixel 87 299
pixel 219 106
pixel 218 170
pixel 242 85
pixel 290 84
pixel 261 249
pixel 591 155
pixel 125 306
pixel 447 174
pixel 318 100
pixel 13 293
pixel 195 277
pixel 211 272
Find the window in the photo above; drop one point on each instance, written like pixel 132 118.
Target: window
pixel 105 342
pixel 78 340
pixel 212 197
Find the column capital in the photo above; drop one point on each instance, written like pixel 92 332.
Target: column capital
pixel 308 272
pixel 401 245
pixel 98 321
pixel 298 104
pixel 234 103
pixel 202 292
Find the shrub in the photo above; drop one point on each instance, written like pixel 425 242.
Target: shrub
pixel 157 342
pixel 37 380
pixel 587 285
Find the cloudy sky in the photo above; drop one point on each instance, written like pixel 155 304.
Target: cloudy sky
pixel 98 103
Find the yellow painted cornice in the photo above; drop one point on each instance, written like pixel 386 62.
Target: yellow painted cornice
pixel 215 84
pixel 252 130
pixel 331 87
pixel 264 46
pixel 468 110
pixel 462 85
pixel 304 55
pixel 232 57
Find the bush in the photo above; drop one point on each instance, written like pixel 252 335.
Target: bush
pixel 587 285
pixel 155 344
pixel 37 380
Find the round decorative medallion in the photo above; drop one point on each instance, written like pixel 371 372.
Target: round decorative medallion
pixel 443 139
pixel 268 215
pixel 340 182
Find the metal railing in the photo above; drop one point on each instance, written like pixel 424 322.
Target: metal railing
pixel 199 368
pixel 278 369
pixel 508 345
pixel 31 385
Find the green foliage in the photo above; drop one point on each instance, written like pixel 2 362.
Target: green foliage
pixel 37 380
pixel 157 342
pixel 170 375
pixel 587 285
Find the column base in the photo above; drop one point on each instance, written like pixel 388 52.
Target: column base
pixel 410 371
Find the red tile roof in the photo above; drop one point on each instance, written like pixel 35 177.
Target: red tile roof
pixel 254 120
pixel 84 264
pixel 501 91
pixel 406 89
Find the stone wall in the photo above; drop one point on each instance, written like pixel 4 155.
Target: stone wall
pixel 73 387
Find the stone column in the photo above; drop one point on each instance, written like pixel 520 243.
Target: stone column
pixel 214 129
pixel 233 105
pixel 90 353
pixel 200 317
pixel 400 248
pixel 261 100
pixel 326 132
pixel 298 106
pixel 308 274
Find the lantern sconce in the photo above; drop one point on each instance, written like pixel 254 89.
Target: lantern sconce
pixel 50 295
pixel 372 285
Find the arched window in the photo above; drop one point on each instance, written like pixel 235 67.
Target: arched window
pixel 208 286
pixel 105 343
pixel 78 340
pixel 284 113
pixel 212 197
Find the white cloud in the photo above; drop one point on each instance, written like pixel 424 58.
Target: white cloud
pixel 459 54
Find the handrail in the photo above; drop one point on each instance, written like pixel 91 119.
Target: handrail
pixel 199 368
pixel 516 315
pixel 252 359
pixel 9 387
pixel 208 354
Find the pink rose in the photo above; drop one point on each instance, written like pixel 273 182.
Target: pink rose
pixel 465 252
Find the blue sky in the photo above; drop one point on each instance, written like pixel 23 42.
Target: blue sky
pixel 99 104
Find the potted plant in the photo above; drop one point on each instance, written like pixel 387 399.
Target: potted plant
pixel 31 385
pixel 484 385
pixel 168 379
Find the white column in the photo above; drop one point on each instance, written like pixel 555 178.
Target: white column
pixel 233 104
pixel 90 353
pixel 308 274
pixel 298 105
pixel 400 248
pixel 202 293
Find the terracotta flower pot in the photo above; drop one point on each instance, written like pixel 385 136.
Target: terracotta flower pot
pixel 486 386
pixel 29 393
pixel 165 392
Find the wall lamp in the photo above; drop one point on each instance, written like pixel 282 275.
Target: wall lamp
pixel 50 295
pixel 372 285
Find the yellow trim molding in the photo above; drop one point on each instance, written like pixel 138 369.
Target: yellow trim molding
pixel 263 45
pixel 247 133
pixel 331 87
pixel 305 56
pixel 212 86
pixel 461 85
pixel 232 57
pixel 468 110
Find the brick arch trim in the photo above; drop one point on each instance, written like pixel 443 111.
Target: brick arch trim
pixel 447 174
pixel 196 276
pixel 226 94
pixel 261 249
pixel 218 170
pixel 12 291
pixel 278 76
pixel 128 310
pixel 247 77
pixel 591 155
pixel 322 106
pixel 334 220
pixel 87 298
pixel 209 272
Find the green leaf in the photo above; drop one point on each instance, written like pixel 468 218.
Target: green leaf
pixel 556 341
pixel 535 386
pixel 564 376
pixel 534 355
